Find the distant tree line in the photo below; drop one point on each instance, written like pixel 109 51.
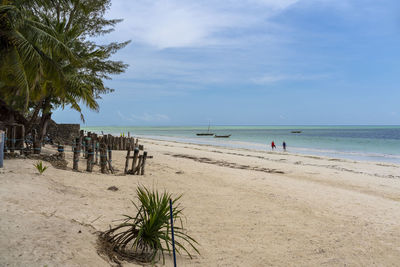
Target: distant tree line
pixel 48 58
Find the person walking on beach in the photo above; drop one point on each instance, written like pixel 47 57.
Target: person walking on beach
pixel 273 145
pixel 284 145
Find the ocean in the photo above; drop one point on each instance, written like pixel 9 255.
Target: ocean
pixel 368 143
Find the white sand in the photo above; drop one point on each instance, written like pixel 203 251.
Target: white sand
pixel 320 211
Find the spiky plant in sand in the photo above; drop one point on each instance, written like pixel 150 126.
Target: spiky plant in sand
pixel 40 167
pixel 148 233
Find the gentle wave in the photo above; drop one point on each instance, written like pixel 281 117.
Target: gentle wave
pixel 353 155
pixel 371 143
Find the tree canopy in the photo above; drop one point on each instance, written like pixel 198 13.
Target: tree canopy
pixel 49 57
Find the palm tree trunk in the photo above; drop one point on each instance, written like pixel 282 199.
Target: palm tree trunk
pixel 44 121
pixel 31 122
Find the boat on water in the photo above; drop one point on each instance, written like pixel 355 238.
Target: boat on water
pixel 295 131
pixel 222 136
pixel 208 133
pixel 204 134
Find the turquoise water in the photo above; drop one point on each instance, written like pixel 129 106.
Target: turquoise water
pixel 373 143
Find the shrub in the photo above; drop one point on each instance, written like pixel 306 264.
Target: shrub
pixel 40 167
pixel 148 233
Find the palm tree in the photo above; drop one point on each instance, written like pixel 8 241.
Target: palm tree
pixel 46 59
pixel 25 55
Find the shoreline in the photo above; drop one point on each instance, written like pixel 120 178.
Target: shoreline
pixel 328 154
pixel 359 143
pixel 244 207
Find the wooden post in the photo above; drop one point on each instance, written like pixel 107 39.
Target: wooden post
pixel 13 138
pixel 60 150
pixel 89 162
pixel 6 140
pixel 2 141
pixel 81 143
pixel 110 160
pixel 87 146
pixel 77 151
pixel 137 171
pixel 132 142
pixel 93 146
pixel 143 162
pixel 83 150
pixel 128 154
pixel 103 158
pixel 135 157
pixel 97 153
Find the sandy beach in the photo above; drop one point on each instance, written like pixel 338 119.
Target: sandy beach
pixel 245 208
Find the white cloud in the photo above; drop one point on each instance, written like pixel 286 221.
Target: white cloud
pixel 175 23
pixel 272 78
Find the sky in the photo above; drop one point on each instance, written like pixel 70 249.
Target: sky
pixel 252 62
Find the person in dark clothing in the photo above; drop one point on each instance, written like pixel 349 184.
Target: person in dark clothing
pixel 284 145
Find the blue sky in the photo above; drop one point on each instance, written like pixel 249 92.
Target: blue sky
pixel 253 62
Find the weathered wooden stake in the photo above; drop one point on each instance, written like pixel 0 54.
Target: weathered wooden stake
pixel 110 160
pixel 143 162
pixel 103 158
pixel 127 160
pixel 89 162
pixel 137 171
pixel 13 138
pixel 97 153
pixel 60 150
pixel 87 146
pixel 77 151
pixel 6 140
pixel 135 157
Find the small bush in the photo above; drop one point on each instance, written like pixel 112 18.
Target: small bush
pixel 40 167
pixel 148 233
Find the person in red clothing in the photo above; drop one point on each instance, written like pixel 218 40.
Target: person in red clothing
pixel 273 145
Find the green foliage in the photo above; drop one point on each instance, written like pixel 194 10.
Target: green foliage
pixel 47 58
pixel 40 167
pixel 148 233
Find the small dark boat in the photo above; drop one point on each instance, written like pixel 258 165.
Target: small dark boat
pixel 207 133
pixel 222 136
pixel 204 134
pixel 295 131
